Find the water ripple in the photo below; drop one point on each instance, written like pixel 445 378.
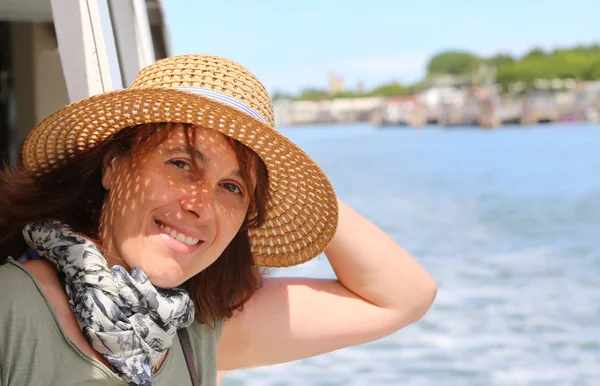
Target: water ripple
pixel 507 223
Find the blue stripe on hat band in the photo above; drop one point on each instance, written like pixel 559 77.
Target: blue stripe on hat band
pixel 220 97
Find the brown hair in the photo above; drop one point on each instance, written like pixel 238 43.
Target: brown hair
pixel 74 195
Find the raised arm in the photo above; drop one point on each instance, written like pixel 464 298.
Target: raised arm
pixel 379 289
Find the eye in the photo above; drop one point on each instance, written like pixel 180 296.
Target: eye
pixel 181 164
pixel 233 188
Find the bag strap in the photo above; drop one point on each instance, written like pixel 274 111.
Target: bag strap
pixel 184 338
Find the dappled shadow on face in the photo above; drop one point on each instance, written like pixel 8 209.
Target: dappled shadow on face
pixel 191 181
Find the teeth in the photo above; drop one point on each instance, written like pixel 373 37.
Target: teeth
pixel 178 236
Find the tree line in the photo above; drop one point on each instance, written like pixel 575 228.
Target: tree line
pixel 581 62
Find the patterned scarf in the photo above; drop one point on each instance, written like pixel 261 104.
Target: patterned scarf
pixel 123 316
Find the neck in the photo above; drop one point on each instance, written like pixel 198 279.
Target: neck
pixel 106 242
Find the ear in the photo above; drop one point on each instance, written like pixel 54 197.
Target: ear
pixel 109 164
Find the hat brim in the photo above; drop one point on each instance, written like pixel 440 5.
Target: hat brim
pixel 302 208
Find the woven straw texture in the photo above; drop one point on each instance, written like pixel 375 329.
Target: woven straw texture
pixel 302 207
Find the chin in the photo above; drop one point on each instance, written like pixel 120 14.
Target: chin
pixel 164 268
pixel 166 275
pixel 163 273
pixel 166 283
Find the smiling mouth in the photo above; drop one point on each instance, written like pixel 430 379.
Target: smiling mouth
pixel 187 240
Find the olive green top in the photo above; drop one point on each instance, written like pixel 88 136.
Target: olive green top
pixel 34 349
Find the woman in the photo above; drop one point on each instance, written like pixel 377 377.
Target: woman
pixel 144 215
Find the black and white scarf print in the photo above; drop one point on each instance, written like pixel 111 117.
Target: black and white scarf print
pixel 123 316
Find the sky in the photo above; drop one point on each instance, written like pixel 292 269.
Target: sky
pixel 293 45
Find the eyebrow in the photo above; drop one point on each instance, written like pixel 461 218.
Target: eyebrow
pixel 201 156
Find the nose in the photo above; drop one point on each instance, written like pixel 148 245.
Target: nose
pixel 200 202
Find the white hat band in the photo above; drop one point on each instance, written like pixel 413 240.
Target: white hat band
pixel 224 98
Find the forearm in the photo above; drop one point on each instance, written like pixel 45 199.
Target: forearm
pixel 373 266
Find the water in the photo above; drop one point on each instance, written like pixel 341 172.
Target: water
pixel 508 223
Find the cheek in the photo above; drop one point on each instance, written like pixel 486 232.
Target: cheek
pixel 130 201
pixel 136 192
pixel 124 196
pixel 232 217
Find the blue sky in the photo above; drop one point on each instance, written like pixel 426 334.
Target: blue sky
pixel 291 45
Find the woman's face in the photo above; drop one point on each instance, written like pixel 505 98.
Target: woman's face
pixel 164 217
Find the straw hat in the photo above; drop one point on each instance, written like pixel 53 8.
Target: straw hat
pixel 214 93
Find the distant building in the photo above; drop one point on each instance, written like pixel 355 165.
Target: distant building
pixel 360 88
pixel 343 110
pixel 336 84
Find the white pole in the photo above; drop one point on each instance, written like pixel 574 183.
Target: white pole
pixel 133 36
pixel 146 54
pixel 86 46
